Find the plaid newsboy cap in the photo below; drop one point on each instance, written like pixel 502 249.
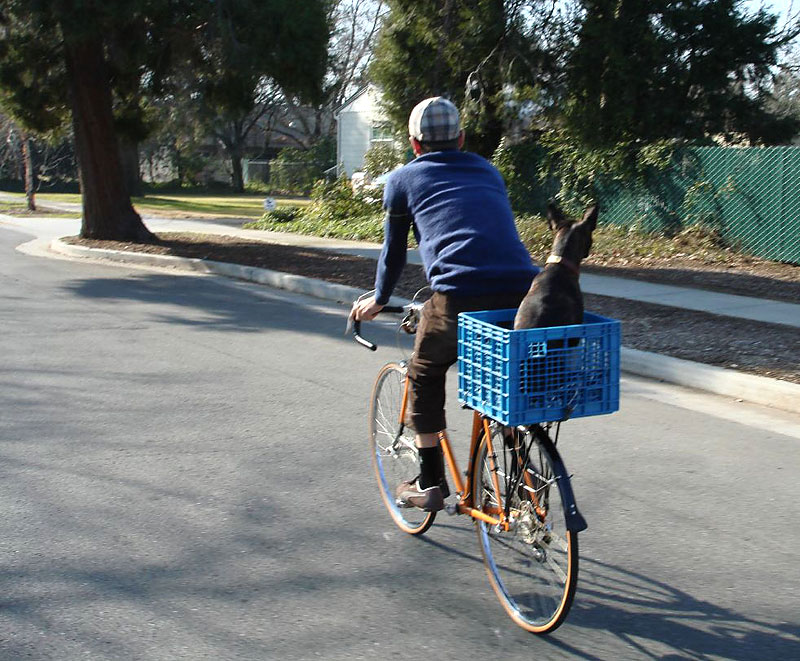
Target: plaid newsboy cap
pixel 434 120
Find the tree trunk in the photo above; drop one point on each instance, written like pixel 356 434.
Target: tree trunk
pixel 107 210
pixel 27 158
pixel 129 159
pixel 237 177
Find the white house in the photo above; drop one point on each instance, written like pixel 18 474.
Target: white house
pixel 360 123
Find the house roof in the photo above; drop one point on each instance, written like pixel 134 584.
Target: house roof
pixel 352 98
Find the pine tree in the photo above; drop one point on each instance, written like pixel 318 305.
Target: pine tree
pixel 685 69
pixel 472 52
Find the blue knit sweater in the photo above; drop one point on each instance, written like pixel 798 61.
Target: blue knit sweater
pixel 457 205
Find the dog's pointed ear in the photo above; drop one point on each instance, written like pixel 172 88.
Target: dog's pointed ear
pixel 555 217
pixel 590 217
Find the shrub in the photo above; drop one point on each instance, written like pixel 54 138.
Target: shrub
pixel 585 173
pixel 529 189
pixel 282 215
pixel 337 201
pixel 294 171
pixel 535 234
pixel 335 211
pixel 382 157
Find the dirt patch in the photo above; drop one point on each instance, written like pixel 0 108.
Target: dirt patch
pixel 11 209
pixel 771 350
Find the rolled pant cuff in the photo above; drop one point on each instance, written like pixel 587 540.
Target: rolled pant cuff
pixel 427 424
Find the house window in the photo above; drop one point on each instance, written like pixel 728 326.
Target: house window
pixel 382 132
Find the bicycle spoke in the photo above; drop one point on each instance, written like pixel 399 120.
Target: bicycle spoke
pixel 395 457
pixel 556 569
pixel 532 564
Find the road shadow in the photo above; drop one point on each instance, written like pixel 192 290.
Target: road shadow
pixel 213 303
pixel 651 618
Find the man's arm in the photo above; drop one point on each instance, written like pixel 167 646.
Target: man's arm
pixel 393 255
pixel 392 259
pixel 390 266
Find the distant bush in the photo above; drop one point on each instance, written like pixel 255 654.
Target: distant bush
pixel 336 210
pixel 337 201
pixel 282 214
pixel 256 186
pixel 382 157
pixel 295 171
pixel 520 164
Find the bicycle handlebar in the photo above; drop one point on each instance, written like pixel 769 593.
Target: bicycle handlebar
pixel 357 328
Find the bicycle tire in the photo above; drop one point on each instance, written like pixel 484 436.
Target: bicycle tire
pixel 533 566
pixel 394 456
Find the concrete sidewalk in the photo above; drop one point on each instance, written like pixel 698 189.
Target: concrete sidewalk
pixel 755 309
pixel 726 382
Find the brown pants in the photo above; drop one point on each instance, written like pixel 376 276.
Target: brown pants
pixel 436 349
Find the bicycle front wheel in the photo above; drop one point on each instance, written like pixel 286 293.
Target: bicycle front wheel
pixel 394 455
pixel 533 565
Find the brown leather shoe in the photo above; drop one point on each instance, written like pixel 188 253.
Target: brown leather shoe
pixel 409 494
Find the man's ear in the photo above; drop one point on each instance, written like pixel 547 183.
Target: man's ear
pixel 555 217
pixel 461 137
pixel 415 146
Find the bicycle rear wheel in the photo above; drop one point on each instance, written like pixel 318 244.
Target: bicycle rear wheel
pixel 394 455
pixel 532 566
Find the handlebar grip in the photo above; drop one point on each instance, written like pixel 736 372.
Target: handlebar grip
pixel 357 337
pixel 357 328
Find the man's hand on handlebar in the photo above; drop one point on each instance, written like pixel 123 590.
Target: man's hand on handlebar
pixel 365 309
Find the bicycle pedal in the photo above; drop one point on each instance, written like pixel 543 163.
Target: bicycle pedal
pixel 451 508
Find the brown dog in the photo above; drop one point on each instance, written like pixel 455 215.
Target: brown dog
pixel 555 298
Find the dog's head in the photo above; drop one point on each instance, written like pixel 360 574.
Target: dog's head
pixel 573 239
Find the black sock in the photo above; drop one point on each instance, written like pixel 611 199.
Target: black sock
pixel 431 467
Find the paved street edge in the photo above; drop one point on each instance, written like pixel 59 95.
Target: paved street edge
pixel 729 383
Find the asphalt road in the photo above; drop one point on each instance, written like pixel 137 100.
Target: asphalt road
pixel 184 475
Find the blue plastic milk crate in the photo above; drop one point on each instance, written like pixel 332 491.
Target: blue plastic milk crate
pixel 521 377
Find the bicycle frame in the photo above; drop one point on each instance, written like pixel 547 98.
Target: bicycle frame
pixel 516 489
pixel 463 487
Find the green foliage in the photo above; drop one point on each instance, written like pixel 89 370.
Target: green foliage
pixel 295 171
pixel 649 71
pixel 529 187
pixel 470 52
pixel 281 215
pixel 382 157
pixel 535 234
pixel 335 211
pixel 584 170
pixel 212 53
pixel 612 243
pixel 258 187
pixel 338 202
pixel 33 80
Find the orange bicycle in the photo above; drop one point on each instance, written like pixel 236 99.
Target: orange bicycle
pixel 520 385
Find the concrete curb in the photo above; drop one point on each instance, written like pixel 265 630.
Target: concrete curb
pixel 294 283
pixel 729 383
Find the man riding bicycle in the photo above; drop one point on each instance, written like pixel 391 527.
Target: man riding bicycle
pixel 456 204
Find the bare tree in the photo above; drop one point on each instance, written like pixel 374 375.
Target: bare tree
pixel 19 154
pixel 354 27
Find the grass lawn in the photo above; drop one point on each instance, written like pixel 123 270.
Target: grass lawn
pixel 188 204
pixel 13 208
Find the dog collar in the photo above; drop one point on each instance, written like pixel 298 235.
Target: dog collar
pixel 558 259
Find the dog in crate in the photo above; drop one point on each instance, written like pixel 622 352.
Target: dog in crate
pixel 555 299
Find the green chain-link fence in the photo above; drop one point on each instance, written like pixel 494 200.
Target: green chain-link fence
pixel 749 196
